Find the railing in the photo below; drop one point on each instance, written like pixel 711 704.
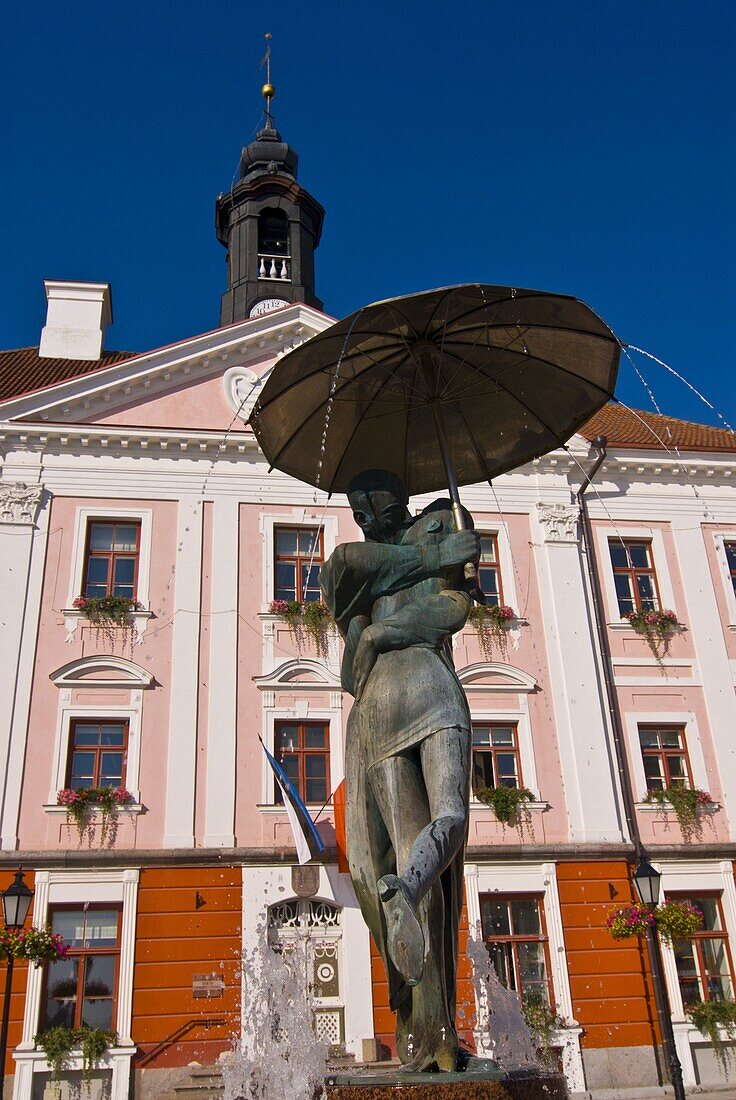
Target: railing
pixel 274 267
pixel 179 1033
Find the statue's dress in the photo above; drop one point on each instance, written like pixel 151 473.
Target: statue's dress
pixel 412 692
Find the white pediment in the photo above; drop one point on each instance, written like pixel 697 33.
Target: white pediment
pixel 101 672
pixel 302 673
pixel 494 676
pixel 236 347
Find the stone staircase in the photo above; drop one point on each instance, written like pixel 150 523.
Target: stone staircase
pixel 205 1082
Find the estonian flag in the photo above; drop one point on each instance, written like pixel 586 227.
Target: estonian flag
pixel 306 838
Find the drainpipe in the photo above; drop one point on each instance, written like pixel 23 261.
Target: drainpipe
pixel 664 1014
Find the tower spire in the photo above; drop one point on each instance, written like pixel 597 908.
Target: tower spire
pixel 268 91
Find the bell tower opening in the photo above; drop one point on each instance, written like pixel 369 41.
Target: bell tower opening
pixel 274 252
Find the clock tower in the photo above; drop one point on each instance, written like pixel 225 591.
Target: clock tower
pixel 270 226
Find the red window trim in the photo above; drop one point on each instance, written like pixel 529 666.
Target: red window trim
pixel 492 565
pixel 542 937
pixel 300 561
pixel 663 753
pixel 83 952
pixel 493 750
pixel 301 753
pixel 111 554
pixel 91 721
pixel 633 571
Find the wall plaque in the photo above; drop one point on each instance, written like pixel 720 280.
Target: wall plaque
pixel 208 986
pixel 305 881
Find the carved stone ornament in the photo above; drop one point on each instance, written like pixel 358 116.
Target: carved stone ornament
pixel 559 522
pixel 243 386
pixel 19 503
pixel 305 881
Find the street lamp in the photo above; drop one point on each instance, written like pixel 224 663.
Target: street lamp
pixel 16 903
pixel 647 881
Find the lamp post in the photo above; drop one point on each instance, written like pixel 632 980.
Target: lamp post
pixel 16 903
pixel 647 881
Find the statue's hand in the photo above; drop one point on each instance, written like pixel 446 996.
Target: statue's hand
pixel 364 660
pixel 459 548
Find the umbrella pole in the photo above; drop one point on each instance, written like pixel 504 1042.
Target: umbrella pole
pixel 457 508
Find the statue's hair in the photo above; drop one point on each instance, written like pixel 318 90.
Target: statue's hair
pixel 371 481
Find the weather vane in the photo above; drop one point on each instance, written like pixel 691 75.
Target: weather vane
pixel 268 90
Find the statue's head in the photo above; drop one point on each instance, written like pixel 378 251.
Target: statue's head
pixel 378 499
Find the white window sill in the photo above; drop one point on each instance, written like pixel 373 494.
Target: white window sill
pixel 73 617
pixel 313 807
pixel 96 812
pixel 533 807
pixel 668 808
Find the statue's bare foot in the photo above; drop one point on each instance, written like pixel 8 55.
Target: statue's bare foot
pixel 405 936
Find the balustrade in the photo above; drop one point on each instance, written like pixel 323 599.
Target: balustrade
pixel 277 268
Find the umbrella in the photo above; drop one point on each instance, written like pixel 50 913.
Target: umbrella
pixel 451 386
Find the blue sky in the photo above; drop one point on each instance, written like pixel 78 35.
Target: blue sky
pixel 577 146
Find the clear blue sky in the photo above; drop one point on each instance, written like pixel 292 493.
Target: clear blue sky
pixel 578 146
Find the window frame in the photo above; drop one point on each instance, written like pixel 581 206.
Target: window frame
pixel 98 750
pixel 84 516
pixel 663 753
pixel 697 938
pixel 721 540
pixel 111 555
pixel 493 751
pixel 297 559
pixel 268 521
pixel 494 565
pixel 515 939
pixel 633 573
pixel 67 713
pixel 604 533
pixel 688 721
pixel 302 753
pixel 85 952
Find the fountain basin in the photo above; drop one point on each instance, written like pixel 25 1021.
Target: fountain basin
pixel 484 1085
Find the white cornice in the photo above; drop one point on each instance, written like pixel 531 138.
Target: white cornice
pixel 166 368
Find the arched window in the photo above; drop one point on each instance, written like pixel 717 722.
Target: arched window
pixel 273 233
pixel 317 926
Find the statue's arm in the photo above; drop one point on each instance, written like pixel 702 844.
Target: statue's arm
pixel 429 621
pixel 358 573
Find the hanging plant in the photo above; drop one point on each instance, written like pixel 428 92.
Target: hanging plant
pixel 629 920
pixel 542 1021
pixel 677 920
pixel 708 1017
pixel 491 624
pixel 507 803
pixel 57 1043
pixel 37 945
pixel 311 618
pixel 685 802
pixel 81 805
pixel 656 626
pixel 108 614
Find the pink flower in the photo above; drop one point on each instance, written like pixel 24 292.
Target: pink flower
pixel 121 795
pixel 67 797
pixel 703 798
pixel 506 612
pixel 80 602
pixel 278 607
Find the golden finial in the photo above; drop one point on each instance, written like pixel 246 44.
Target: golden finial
pixel 268 90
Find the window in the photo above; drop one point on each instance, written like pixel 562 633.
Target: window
pixel 634 576
pixel 489 570
pixel 730 548
pixel 299 556
pixel 303 750
pixel 97 751
pixel 514 932
pixel 111 559
pixel 81 989
pixel 664 752
pixel 704 966
pixel 495 756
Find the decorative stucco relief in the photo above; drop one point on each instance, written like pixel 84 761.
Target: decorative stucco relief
pixel 19 503
pixel 559 522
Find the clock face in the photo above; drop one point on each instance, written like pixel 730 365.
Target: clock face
pixel 266 305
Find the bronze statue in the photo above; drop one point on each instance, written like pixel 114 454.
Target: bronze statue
pixel 397 599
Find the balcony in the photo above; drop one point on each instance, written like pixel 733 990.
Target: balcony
pixel 274 268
